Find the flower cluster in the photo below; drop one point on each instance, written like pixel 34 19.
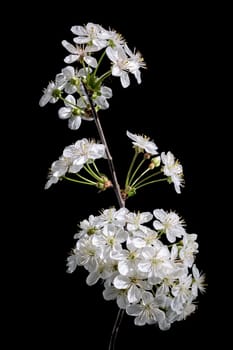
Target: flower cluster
pixel 76 157
pixel 150 272
pixel 170 167
pixel 146 259
pixel 89 40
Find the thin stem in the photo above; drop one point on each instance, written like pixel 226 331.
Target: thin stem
pixel 139 177
pixel 80 182
pixel 115 329
pixel 149 177
pixel 97 170
pixel 85 179
pixel 130 169
pixel 150 182
pixel 99 62
pixel 104 76
pixel 136 170
pixel 91 172
pixel 116 186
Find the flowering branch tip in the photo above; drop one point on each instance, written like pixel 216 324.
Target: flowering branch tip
pixel 145 259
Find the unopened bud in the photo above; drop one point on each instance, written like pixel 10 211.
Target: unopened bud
pixel 156 161
pixel 107 184
pixel 147 155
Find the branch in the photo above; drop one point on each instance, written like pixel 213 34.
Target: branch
pixel 116 186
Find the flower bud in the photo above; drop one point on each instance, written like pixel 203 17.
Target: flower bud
pixel 156 161
pixel 147 155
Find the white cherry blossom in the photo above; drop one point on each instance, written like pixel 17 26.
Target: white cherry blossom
pixel 119 61
pixel 143 142
pixel 135 62
pixel 170 223
pixel 134 286
pixel 173 169
pixel 147 311
pixel 77 53
pixel 120 295
pixel 52 91
pixel 135 221
pixel 91 34
pixel 199 280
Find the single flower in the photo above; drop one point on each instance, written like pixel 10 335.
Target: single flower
pixel 170 223
pixel 173 169
pixel 77 53
pixel 143 143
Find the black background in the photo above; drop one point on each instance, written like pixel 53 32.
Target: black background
pixel 173 106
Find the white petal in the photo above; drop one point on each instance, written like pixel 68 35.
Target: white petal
pixel 133 310
pixel 163 253
pixel 69 151
pixel 71 263
pixel 64 112
pixel 137 75
pixel 106 91
pixel 112 54
pixel 145 217
pixel 74 122
pixel 170 236
pixel 60 80
pixel 116 71
pixel 79 40
pixel 134 294
pixel 147 297
pixel 110 293
pixel 71 58
pixel 144 266
pixel 51 181
pixel 44 100
pixel 69 47
pixel 102 102
pixel 174 252
pixel 160 214
pixel 75 168
pixel 68 72
pixel 123 268
pixel 78 30
pixel 164 325
pixel 91 61
pixel 125 79
pixel 92 278
pixel 81 102
pixel 160 316
pixel 69 101
pixel 141 319
pixel 121 282
pixel 148 253
pixel 157 225
pixel 138 242
pixel 122 301
pixel 70 88
pixel 196 273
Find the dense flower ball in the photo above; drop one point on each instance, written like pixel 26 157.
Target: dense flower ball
pixel 148 269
